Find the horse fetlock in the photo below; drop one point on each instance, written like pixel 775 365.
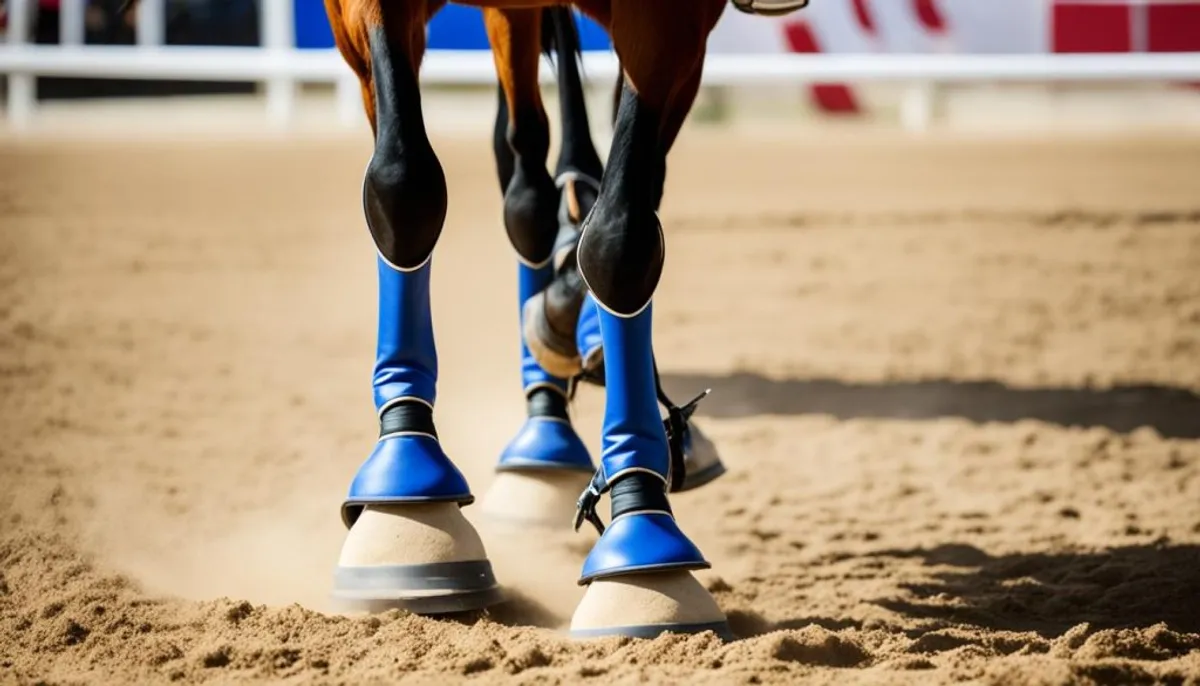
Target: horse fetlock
pixel 550 321
pixel 620 257
pixel 531 214
pixel 404 199
pixel 550 336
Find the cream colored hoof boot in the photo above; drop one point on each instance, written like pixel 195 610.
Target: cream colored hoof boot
pixel 646 606
pixel 542 498
pixel 423 557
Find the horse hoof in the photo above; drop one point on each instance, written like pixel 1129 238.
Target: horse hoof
pixel 646 606
pixel 541 498
pixel 425 558
pixel 554 352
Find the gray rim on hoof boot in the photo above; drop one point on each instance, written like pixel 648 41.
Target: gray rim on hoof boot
pixel 426 589
pixel 721 629
pixel 422 557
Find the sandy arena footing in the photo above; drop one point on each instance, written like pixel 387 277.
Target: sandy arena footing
pixel 954 382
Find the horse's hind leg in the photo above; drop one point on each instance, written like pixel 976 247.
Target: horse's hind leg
pixel 542 470
pixel 408 544
pixel 551 317
pixel 639 572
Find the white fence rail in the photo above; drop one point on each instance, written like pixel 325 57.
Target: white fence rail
pixel 280 65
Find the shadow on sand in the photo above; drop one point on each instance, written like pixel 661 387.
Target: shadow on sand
pixel 1172 412
pixel 1048 593
pixel 1045 593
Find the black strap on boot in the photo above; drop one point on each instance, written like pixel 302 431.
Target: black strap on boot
pixel 675 425
pixel 407 416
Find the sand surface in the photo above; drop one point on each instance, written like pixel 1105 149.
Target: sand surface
pixel 954 381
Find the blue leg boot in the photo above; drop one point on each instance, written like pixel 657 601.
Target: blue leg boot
pixel 542 470
pixel 638 573
pixel 408 544
pixel 702 463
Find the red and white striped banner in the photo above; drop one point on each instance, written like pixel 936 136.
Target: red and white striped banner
pixel 962 26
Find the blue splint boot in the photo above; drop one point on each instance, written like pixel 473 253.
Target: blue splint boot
pixel 408 544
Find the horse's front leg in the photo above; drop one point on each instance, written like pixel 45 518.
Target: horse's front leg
pixel 542 470
pixel 408 544
pixel 561 325
pixel 639 571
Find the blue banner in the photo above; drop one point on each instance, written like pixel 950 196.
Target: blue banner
pixel 455 27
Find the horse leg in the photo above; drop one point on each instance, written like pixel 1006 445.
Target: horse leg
pixel 408 544
pixel 578 175
pixel 639 573
pixel 565 306
pixel 551 317
pixel 542 470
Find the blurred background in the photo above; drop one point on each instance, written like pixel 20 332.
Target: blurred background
pixel 303 83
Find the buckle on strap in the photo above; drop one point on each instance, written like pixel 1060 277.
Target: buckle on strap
pixel 585 507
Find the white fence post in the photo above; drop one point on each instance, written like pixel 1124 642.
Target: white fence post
pixel 71 25
pixel 278 39
pixel 151 23
pixel 22 98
